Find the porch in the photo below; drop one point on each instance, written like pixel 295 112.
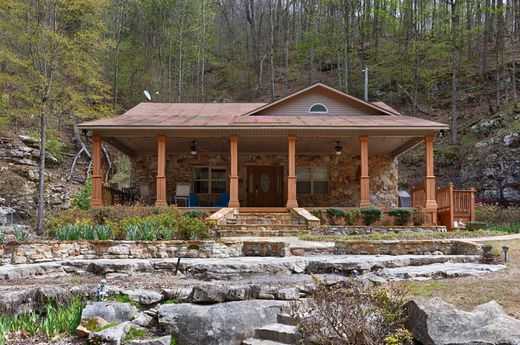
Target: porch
pixel 264 170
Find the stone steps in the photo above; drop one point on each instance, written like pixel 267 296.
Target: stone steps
pixel 259 232
pixel 282 332
pixel 261 223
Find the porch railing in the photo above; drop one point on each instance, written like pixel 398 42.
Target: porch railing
pixel 452 204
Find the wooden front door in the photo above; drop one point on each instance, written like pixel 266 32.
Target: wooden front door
pixel 264 186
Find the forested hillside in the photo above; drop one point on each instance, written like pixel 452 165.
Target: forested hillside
pixel 455 61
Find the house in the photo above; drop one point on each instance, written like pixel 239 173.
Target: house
pixel 317 147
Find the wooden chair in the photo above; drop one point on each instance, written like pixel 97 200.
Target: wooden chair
pixel 182 192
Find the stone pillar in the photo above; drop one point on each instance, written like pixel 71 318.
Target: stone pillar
pixel 161 171
pixel 97 173
pixel 429 181
pixel 291 173
pixel 233 176
pixel 364 194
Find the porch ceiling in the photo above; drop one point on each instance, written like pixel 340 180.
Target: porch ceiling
pixel 391 146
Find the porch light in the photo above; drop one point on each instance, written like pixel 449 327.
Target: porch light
pixel 193 148
pixel 338 148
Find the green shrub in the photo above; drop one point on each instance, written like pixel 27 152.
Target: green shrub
pixel 476 225
pixel 495 214
pixel 334 214
pixel 2 237
pixel 371 214
pixel 193 229
pixel 81 199
pixel 103 232
pixel 352 217
pixel 418 215
pixel 144 230
pixel 401 215
pixel 195 214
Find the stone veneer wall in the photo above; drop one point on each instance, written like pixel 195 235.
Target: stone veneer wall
pixel 343 186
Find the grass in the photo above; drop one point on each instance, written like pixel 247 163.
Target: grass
pixel 108 325
pixel 134 333
pixel 467 292
pixel 122 298
pixel 403 236
pixel 169 301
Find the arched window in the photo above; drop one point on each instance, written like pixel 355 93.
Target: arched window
pixel 318 108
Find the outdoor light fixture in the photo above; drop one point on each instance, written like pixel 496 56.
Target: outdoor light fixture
pixel 505 249
pixel 338 148
pixel 193 148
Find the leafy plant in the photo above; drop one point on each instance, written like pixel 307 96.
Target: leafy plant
pixel 370 214
pixel 2 237
pixel 71 232
pixel 20 234
pixel 195 214
pixel 318 213
pixel 193 229
pixel 88 232
pixel 352 217
pixel 401 215
pixel 103 232
pixel 418 215
pixel 81 199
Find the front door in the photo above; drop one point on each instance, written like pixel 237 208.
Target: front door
pixel 264 186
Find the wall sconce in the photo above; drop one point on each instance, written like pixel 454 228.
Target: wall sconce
pixel 193 147
pixel 338 148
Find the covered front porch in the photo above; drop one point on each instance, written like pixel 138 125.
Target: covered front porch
pixel 264 168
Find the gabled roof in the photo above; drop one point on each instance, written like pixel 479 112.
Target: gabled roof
pixel 378 109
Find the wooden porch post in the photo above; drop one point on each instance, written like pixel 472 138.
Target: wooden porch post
pixel 291 173
pixel 97 174
pixel 233 177
pixel 364 198
pixel 429 183
pixel 161 171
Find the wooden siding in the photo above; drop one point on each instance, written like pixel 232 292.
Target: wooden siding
pixel 336 104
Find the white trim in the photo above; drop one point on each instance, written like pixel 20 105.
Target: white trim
pixel 318 112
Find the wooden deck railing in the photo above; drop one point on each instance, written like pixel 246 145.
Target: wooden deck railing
pixel 452 204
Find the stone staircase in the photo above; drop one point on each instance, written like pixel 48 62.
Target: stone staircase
pixel 264 224
pixel 282 332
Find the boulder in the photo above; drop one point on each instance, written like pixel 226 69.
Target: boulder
pixel 144 297
pixel 144 320
pixel 436 322
pixel 179 295
pixel 291 293
pixel 224 323
pixel 208 294
pixel 110 336
pixel 166 340
pixel 110 311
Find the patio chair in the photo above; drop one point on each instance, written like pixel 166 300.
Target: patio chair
pixel 182 192
pixel 223 200
pixel 146 195
pixel 194 200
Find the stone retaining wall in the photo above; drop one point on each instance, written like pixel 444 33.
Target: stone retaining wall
pixel 405 247
pixel 45 251
pixel 366 230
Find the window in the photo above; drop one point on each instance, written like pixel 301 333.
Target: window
pixel 312 180
pixel 209 180
pixel 318 108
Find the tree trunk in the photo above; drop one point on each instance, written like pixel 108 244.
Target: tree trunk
pixel 41 186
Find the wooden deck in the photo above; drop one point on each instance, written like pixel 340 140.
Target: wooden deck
pixel 452 204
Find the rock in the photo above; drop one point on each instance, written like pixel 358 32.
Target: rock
pixel 224 323
pixel 288 294
pixel 179 295
pixel 144 297
pixel 110 336
pixel 166 340
pixel 30 141
pixel 82 331
pixel 110 311
pixel 436 322
pixel 93 323
pixel 208 294
pixel 144 320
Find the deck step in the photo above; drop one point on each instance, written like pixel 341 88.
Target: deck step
pixel 285 334
pixel 254 341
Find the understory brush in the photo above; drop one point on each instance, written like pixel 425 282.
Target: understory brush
pixel 354 315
